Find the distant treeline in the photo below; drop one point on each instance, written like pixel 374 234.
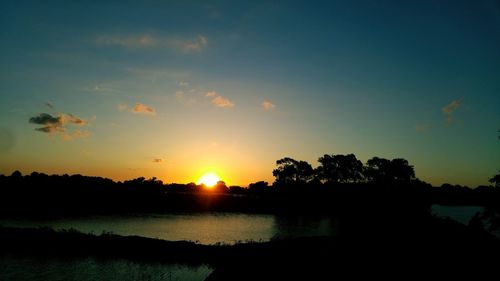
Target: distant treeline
pixel 339 181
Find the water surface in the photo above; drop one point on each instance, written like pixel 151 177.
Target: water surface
pixel 204 228
pixel 462 214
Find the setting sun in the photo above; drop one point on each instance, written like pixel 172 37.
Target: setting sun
pixel 209 179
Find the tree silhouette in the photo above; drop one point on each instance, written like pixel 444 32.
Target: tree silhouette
pixel 291 171
pixel 401 171
pixel 492 212
pixel 382 170
pixel 496 180
pixel 377 169
pixel 16 175
pixel 221 187
pixel 340 169
pixel 258 186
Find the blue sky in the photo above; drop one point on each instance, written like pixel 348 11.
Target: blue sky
pixel 174 89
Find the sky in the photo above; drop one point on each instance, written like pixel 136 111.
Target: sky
pixel 175 89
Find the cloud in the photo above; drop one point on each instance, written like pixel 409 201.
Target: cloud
pixel 76 134
pixel 59 124
pixel 47 120
pixel 154 74
pixel 449 110
pixel 140 108
pixel 184 83
pixel 267 105
pixel 143 41
pixel 179 94
pixel 186 96
pixel 422 128
pixel 107 88
pixel 219 100
pixel 128 41
pixel 211 94
pixel 121 107
pixel 195 45
pixel 158 160
pixel 69 118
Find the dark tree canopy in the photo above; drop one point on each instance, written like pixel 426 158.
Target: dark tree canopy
pixel 291 171
pixel 402 171
pixel 377 169
pixel 340 168
pixel 143 182
pixel 389 171
pixel 258 186
pixel 220 187
pixel 496 180
pixel 16 175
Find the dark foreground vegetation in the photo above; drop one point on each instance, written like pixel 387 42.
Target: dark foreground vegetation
pixel 340 184
pixel 338 180
pixel 386 229
pixel 426 247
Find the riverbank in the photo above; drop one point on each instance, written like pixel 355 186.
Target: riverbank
pixel 432 246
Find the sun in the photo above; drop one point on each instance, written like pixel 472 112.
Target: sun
pixel 209 179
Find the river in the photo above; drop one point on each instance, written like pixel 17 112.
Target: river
pixel 203 228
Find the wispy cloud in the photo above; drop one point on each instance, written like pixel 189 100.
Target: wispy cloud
pixel 186 93
pixel 179 95
pixel 422 128
pixel 70 118
pixel 104 89
pixel 128 41
pixel 109 88
pixel 76 134
pixel 142 41
pixel 185 97
pixel 189 45
pixel 449 110
pixel 211 94
pixel 59 125
pixel 121 107
pixel 140 108
pixel 219 100
pixel 158 160
pixel 155 74
pixel 267 105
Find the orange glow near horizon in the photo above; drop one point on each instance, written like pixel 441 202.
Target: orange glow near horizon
pixel 209 179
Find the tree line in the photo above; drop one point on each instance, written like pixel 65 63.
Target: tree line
pixel 334 170
pixel 340 184
pixel 343 169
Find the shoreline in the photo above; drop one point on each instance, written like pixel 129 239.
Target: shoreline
pixel 445 244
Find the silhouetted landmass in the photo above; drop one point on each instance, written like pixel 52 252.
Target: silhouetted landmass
pixel 339 181
pixel 424 247
pixel 340 185
pixel 386 228
pixel 39 194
